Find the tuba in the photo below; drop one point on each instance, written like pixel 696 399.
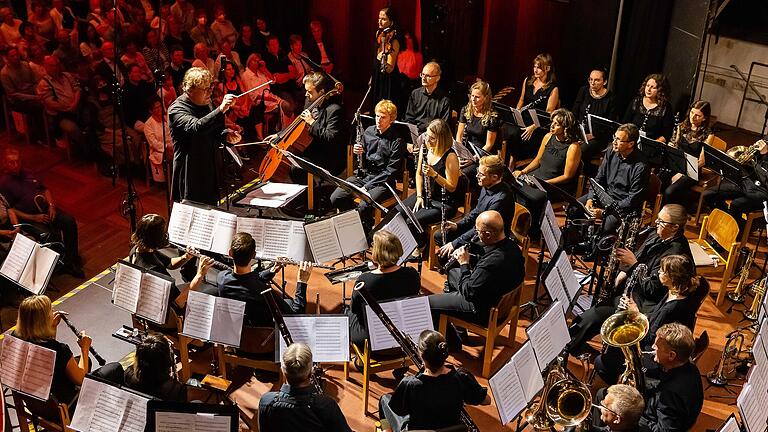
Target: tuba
pixel 564 401
pixel 625 330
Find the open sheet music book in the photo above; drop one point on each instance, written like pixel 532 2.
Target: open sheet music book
pixel 272 195
pixel 730 425
pixel 215 319
pixel 751 404
pixel 171 416
pixel 400 229
pixel 550 229
pixel 26 367
pixel 29 264
pixel 276 238
pixel 326 335
pixel 142 292
pixel 102 407
pixel 516 384
pixel 339 236
pixel 560 282
pixel 411 316
pixel 549 335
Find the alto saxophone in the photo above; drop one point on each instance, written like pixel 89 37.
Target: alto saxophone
pixel 625 239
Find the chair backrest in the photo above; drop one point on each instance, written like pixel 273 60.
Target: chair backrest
pixel 652 189
pixel 700 345
pixel 722 227
pixel 719 144
pixel 521 222
pixel 50 414
pixel 506 307
pixel 257 340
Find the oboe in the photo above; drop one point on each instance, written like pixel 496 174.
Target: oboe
pixel 74 329
pixel 442 214
pixel 406 344
pixel 277 315
pixel 425 183
pixel 360 141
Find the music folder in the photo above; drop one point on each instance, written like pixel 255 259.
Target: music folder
pixel 104 406
pixel 339 236
pixel 214 319
pixel 549 335
pixel 410 315
pixel 170 416
pixel 395 223
pixel 516 383
pixel 601 127
pixel 26 367
pixel 327 336
pixel 141 292
pixel 29 264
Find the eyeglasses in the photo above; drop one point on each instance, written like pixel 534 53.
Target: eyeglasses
pixel 423 75
pixel 601 406
pixel 616 139
pixel 663 223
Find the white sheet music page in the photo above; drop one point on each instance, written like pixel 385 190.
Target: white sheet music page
pixel 190 422
pixel 201 229
pixel 199 317
pixel 127 286
pixel 518 117
pixel 752 413
pixel 550 229
pixel 549 335
pixel 38 373
pixel 415 317
pixel 399 228
pixel 46 260
pixel 153 301
pixel 572 287
pixel 17 258
pixel 83 418
pixel 298 248
pixel 254 227
pixel 379 335
pixel 507 393
pixel 179 222
pixel 12 361
pixel 227 323
pixel 28 275
pixel 758 351
pixel 534 117
pixel 223 231
pixel 349 230
pixel 692 166
pixel 730 425
pixel 528 371
pixel 135 417
pixel 276 235
pixel 302 328
pixel 323 241
pixel 272 195
pixel 326 335
pixel 555 288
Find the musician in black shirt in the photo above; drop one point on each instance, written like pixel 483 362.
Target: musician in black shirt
pixel 478 126
pixel 432 399
pixel 689 137
pixel 624 176
pixel 620 409
pixel 594 99
pixel 651 111
pixel 382 152
pixel 429 101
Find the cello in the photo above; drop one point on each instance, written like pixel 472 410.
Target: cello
pixel 296 135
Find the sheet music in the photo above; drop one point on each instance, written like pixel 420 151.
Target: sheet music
pixel 534 117
pixel 125 291
pixel 298 248
pixel 378 334
pixel 518 117
pixel 462 152
pixel 528 371
pixel 179 222
pixel 758 351
pixel 326 335
pixel 730 425
pixel 549 335
pixel 254 227
pixel 550 228
pixel 153 301
pixel 104 408
pixel 38 372
pixel 227 324
pixel 225 226
pixel 749 403
pixel 200 233
pixel 565 269
pixel 37 272
pixel 272 195
pixel 692 166
pixel 17 258
pixel 323 241
pixel 583 132
pixel 411 316
pixel 12 361
pixel 188 422
pixel 350 232
pixel 399 228
pixel 589 123
pixel 555 288
pixel 276 236
pixel 507 393
pixel 199 317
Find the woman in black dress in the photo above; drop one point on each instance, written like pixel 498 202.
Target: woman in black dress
pixel 689 137
pixel 387 282
pixel 651 111
pixel 385 73
pixel 478 124
pixel 153 371
pixel 594 99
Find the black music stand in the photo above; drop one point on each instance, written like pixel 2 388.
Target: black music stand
pixel 506 114
pixel 543 117
pixel 722 164
pixel 662 155
pixel 213 410
pixel 601 127
pixel 402 129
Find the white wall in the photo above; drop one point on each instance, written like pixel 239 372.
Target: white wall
pixel 723 87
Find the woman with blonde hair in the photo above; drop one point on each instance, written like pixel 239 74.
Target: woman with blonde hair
pixel 37 324
pixel 478 125
pixel 388 281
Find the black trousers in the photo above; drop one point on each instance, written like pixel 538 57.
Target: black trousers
pixel 64 224
pixel 612 222
pixel 428 216
pixel 679 192
pixel 746 197
pixel 344 200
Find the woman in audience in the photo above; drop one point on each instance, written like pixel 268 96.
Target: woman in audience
pixel 388 281
pixel 690 136
pixel 595 99
pixel 91 42
pixel 132 56
pixel 37 324
pixel 154 370
pixel 153 131
pixel 651 111
pixel 478 124
pixel 43 22
pixel 432 399
pixel 263 100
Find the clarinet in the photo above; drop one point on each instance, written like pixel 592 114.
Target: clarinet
pixel 406 344
pixel 532 104
pixel 277 315
pixel 360 140
pixel 425 183
pixel 74 329
pixel 586 116
pixel 218 265
pixel 442 214
pixel 451 261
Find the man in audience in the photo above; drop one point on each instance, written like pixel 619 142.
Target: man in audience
pixel 178 36
pixel 178 67
pixel 296 406
pixel 283 71
pixel 201 33
pixel 106 66
pixel 33 204
pixel 137 95
pixel 184 13
pixel 203 60
pixel 245 45
pixel 69 55
pixel 60 93
pixel 19 83
pixel 319 49
pixel 295 57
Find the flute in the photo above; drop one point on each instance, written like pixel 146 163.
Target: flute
pixel 288 261
pixel 218 265
pixel 74 329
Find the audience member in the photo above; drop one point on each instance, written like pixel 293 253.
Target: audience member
pixel 177 36
pixel 201 33
pixel 60 93
pixel 178 67
pixel 10 28
pixel 156 52
pixel 244 45
pixel 222 27
pixel 158 136
pixel 68 54
pixel 184 13
pixel 131 56
pixel 319 50
pixel 62 16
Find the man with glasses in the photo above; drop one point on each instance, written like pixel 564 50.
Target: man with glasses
pixel 624 176
pixel 620 409
pixel 668 239
pixel 197 130
pixel 479 287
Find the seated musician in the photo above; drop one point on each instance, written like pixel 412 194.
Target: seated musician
pixel 37 323
pixel 650 110
pixel 680 304
pixel 620 409
pixel 557 163
pixel 441 168
pixel 689 137
pixel 478 125
pixel 675 403
pixel 382 152
pixel 154 370
pixel 595 99
pixel 244 284
pixel 746 195
pixel 476 289
pixel 388 281
pixel 495 194
pixel 326 127
pixel 624 176
pixel 668 239
pixel 432 399
pixel 296 407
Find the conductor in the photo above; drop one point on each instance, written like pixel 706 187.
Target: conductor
pixel 197 130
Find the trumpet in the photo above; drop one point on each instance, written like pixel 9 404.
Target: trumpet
pixel 754 310
pixel 738 295
pixel 564 401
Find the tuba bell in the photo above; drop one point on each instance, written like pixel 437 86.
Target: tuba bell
pixel 625 330
pixel 743 154
pixel 564 401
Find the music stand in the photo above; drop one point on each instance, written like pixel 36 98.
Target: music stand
pixel 601 127
pixel 213 410
pixel 507 114
pixel 722 164
pixel 542 118
pixel 407 131
pixel 662 155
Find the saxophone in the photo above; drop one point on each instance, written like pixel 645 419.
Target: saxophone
pixel 625 239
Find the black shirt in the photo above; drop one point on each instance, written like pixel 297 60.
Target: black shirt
pixel 279 64
pixel 650 291
pixel 61 387
pixel 538 99
pixel 498 271
pixel 675 403
pixel 248 288
pixel 681 311
pixel 424 107
pixel 137 98
pixel 656 122
pixel 300 410
pixel 168 390
pixel 498 197
pixel 586 104
pixel 436 402
pixel 623 179
pixel 383 156
pixel 20 190
pixel 476 130
pixel 177 74
pixel 553 160
pixel 330 136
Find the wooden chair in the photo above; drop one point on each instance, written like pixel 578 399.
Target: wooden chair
pixel 724 230
pixel 50 414
pixel 652 202
pixel 700 345
pixel 432 260
pixel 257 351
pixel 372 365
pixel 707 178
pixel 521 223
pixel 506 312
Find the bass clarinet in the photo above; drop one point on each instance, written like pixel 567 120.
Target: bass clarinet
pixel 74 329
pixel 406 344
